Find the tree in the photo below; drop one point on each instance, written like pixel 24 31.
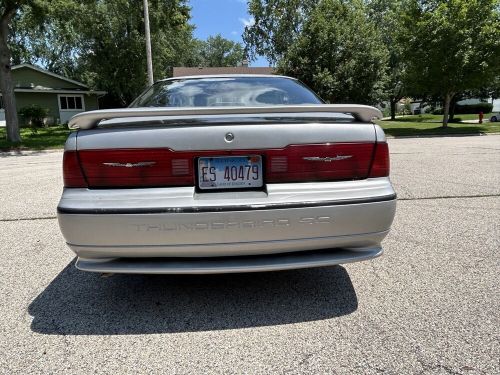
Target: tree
pixel 386 15
pixel 344 60
pixel 8 9
pixel 19 22
pixel 277 24
pixel 453 46
pixel 218 51
pixel 491 89
pixel 101 43
pixel 111 53
pixel 46 35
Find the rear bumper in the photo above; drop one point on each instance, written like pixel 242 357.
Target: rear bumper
pixel 113 230
pixel 256 263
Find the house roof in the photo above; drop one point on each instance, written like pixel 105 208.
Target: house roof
pixel 45 90
pixel 38 69
pixel 180 71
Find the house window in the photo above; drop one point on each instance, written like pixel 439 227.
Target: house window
pixel 71 103
pixel 1 102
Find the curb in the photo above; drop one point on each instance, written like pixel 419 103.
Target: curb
pixel 28 151
pixel 441 135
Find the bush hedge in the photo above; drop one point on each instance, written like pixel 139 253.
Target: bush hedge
pixel 468 109
pixel 473 108
pixel 34 114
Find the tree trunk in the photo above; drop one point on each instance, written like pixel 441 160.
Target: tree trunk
pixel 446 109
pixel 6 83
pixel 393 108
pixel 453 105
pixel 147 35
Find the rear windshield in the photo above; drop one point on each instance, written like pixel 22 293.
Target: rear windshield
pixel 226 91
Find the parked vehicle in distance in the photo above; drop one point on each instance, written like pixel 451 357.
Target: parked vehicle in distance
pixel 495 117
pixel 230 173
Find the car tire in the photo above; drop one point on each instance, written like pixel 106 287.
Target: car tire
pixel 493 119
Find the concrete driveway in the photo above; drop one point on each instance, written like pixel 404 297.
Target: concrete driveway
pixel 429 305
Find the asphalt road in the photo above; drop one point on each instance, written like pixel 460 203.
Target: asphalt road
pixel 431 304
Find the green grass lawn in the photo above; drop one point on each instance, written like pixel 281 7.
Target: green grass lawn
pixel 44 138
pixel 415 125
pixel 396 128
pixel 438 118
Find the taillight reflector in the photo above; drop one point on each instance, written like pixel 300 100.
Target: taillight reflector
pixel 381 165
pixel 137 168
pixel 72 173
pixel 319 162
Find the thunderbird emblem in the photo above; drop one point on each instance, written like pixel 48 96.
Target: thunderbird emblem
pixel 131 165
pixel 327 159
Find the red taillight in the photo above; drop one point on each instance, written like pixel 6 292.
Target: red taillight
pixel 137 167
pixel 72 173
pixel 165 167
pixel 381 164
pixel 319 162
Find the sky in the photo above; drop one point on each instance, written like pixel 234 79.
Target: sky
pixel 225 17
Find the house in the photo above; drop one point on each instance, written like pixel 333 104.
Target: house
pixel 202 71
pixel 63 97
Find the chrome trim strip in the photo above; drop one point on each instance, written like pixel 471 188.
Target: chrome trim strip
pixel 327 158
pixel 195 209
pixel 131 165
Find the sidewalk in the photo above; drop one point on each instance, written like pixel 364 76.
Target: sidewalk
pixel 474 121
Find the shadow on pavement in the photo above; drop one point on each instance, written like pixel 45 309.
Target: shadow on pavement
pixel 79 303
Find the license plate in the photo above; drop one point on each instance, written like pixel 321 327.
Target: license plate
pixel 230 172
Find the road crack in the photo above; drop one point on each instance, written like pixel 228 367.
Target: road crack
pixel 30 218
pixel 450 197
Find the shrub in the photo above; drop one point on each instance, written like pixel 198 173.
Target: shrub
pixel 34 115
pixel 386 112
pixel 407 106
pixel 473 108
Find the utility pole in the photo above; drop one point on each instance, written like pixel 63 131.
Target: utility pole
pixel 147 33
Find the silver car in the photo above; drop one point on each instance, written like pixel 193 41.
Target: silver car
pixel 228 173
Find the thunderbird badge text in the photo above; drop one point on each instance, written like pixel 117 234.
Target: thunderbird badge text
pixel 233 224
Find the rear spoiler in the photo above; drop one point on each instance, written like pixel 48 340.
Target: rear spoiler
pixel 89 120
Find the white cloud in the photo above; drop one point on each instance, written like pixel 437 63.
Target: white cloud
pixel 234 32
pixel 247 21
